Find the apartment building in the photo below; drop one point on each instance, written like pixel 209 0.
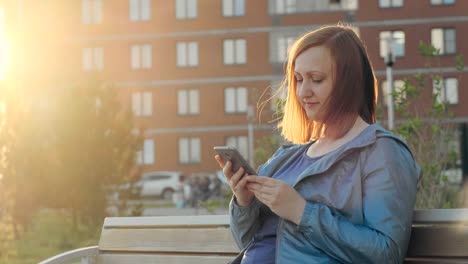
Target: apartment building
pixel 192 71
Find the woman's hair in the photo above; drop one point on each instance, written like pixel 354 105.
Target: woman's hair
pixel 354 89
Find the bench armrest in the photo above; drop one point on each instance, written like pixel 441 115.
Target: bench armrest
pixel 87 255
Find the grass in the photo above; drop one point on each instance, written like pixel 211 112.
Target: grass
pixel 51 232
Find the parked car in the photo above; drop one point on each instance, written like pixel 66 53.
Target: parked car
pixel 160 183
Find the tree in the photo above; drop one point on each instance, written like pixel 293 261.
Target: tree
pixel 94 148
pixel 429 130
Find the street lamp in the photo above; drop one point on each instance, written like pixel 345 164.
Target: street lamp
pixel 389 61
pixel 250 121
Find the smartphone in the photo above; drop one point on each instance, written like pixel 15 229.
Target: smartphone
pixel 228 153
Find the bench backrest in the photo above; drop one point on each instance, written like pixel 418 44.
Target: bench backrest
pixel 167 239
pixel 440 235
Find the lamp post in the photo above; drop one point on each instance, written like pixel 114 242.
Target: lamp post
pixel 389 61
pixel 250 119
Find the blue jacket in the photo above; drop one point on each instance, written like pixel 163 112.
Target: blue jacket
pixel 360 201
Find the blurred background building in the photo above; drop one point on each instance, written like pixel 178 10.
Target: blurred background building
pixel 192 71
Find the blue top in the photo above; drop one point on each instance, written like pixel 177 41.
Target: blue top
pixel 359 203
pixel 263 247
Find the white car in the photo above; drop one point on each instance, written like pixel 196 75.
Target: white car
pixel 160 183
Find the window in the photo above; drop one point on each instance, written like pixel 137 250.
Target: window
pixel 233 8
pixel 235 51
pixel 286 6
pixel 141 56
pixel 93 59
pixel 442 2
pixel 239 142
pixel 186 9
pixel 283 45
pixel 140 10
pixel 393 40
pixel 188 102
pixel 390 3
pixel 235 100
pixel 142 103
pixel 446 90
pixel 444 40
pixel 146 155
pixel 91 11
pixel 189 150
pixel 398 86
pixel 187 54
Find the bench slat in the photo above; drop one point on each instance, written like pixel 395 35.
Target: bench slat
pixel 203 240
pixel 457 215
pixel 167 259
pixel 439 240
pixel 164 221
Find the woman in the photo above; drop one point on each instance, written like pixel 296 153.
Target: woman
pixel 344 192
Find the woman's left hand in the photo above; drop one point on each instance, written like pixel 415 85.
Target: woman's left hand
pixel 279 196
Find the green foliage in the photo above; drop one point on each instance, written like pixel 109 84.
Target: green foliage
pixel 62 156
pixel 94 146
pixel 428 130
pixel 52 232
pixel 266 148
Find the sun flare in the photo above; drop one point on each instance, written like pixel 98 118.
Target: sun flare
pixel 3 46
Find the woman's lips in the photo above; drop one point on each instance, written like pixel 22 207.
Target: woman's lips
pixel 310 104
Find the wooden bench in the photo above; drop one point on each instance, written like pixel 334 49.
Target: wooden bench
pixel 438 236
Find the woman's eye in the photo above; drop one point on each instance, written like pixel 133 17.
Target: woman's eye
pixel 298 80
pixel 317 81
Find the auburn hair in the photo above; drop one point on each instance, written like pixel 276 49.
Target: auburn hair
pixel 354 90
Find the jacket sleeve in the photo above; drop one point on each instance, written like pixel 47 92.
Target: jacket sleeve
pixel 389 194
pixel 244 221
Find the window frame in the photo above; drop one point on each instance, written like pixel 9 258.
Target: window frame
pixel 383 43
pixel 142 104
pixel 91 12
pixel 442 51
pixel 391 4
pixel 237 8
pixel 239 53
pixel 442 3
pixel 137 10
pixel 237 100
pixel 442 98
pixel 189 52
pixel 141 155
pixel 191 158
pixel 183 11
pixel 92 59
pixel 189 111
pixel 139 60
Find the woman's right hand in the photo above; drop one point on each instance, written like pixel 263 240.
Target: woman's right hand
pixel 237 182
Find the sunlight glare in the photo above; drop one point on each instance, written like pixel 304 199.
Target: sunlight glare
pixel 3 46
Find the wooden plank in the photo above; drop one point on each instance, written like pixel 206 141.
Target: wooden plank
pixel 435 261
pixel 166 259
pixel 168 240
pixel 439 240
pixel 161 221
pixel 459 215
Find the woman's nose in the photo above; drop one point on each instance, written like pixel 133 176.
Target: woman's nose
pixel 303 90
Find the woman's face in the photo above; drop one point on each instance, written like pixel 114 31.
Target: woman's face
pixel 314 81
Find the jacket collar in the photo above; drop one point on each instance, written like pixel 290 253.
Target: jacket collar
pixel 287 153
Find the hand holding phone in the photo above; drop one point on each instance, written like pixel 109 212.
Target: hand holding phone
pixel 228 153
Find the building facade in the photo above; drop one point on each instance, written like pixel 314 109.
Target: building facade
pixel 193 71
